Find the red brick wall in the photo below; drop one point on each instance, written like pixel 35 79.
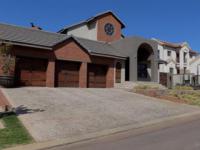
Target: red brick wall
pixel 50 74
pixel 69 50
pixel 101 35
pixel 83 75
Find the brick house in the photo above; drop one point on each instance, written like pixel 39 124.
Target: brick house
pixel 92 53
pixel 60 60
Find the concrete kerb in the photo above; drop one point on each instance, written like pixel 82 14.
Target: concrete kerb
pixel 164 122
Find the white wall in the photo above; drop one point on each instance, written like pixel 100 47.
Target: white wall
pixel 181 55
pixel 85 31
pixel 170 59
pixel 195 67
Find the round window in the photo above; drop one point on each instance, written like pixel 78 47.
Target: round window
pixel 109 29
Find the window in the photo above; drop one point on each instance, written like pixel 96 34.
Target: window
pixel 158 54
pixel 171 70
pixel 169 53
pixel 185 70
pixel 185 59
pixel 177 57
pixel 178 70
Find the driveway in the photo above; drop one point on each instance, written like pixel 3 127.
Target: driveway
pixel 54 113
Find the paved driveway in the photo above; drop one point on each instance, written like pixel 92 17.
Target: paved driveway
pixel 53 113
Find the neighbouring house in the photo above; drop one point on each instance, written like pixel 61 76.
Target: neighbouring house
pixel 90 54
pixel 180 60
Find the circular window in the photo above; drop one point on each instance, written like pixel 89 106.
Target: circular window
pixel 109 29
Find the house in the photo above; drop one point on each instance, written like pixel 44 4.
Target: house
pixel 180 60
pixel 90 54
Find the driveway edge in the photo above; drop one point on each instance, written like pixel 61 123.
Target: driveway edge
pixel 164 122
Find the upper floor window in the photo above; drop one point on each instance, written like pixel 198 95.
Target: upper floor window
pixel 169 53
pixel 177 57
pixel 158 53
pixel 184 57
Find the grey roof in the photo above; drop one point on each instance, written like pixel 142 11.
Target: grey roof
pixel 47 40
pixel 16 34
pixel 90 20
pixel 129 44
pixel 98 47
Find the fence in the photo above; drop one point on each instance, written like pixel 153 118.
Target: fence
pixel 173 80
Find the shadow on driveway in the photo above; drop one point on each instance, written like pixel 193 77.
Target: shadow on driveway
pixel 21 110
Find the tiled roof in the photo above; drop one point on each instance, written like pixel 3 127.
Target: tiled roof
pixel 47 40
pixel 22 35
pixel 97 47
pixel 90 20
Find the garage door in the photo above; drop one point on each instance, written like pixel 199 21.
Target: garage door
pixel 97 76
pixel 31 72
pixel 67 74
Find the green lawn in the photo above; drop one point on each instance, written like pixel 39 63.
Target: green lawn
pixel 14 132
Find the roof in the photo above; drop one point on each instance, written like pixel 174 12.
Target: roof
pixel 128 45
pixel 176 45
pixel 47 40
pixel 98 47
pixel 30 37
pixel 91 20
pixel 169 44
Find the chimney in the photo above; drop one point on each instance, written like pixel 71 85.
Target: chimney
pixel 35 27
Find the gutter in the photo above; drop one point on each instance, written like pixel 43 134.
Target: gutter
pixel 108 56
pixel 26 45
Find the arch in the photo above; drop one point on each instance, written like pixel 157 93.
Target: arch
pixel 145 55
pixel 118 72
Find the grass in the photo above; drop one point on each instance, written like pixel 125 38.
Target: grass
pixel 145 87
pixel 191 98
pixel 183 88
pixel 14 132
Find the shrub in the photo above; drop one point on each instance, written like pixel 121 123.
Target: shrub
pixel 183 88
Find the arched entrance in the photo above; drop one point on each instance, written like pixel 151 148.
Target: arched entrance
pixel 144 62
pixel 118 72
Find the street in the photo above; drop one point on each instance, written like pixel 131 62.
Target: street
pixel 185 136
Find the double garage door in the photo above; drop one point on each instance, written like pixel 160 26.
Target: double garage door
pixel 32 72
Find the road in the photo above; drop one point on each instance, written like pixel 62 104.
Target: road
pixel 185 136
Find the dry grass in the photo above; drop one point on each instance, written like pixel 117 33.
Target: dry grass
pixel 145 87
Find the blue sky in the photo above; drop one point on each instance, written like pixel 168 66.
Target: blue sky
pixel 170 20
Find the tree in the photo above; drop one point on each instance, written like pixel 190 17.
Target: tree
pixel 7 60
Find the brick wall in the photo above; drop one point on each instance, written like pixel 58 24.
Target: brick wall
pixel 101 35
pixel 69 51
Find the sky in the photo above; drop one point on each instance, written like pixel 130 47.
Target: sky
pixel 168 20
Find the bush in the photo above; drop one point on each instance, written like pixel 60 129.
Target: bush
pixel 146 87
pixel 183 88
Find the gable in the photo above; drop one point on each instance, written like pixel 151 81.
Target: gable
pixel 102 21
pixel 71 50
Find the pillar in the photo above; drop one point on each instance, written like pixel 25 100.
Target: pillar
pixel 83 75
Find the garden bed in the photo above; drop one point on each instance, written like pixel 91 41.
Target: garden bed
pixel 179 95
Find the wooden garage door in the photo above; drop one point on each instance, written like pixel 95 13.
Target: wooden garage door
pixel 31 72
pixel 97 76
pixel 67 74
